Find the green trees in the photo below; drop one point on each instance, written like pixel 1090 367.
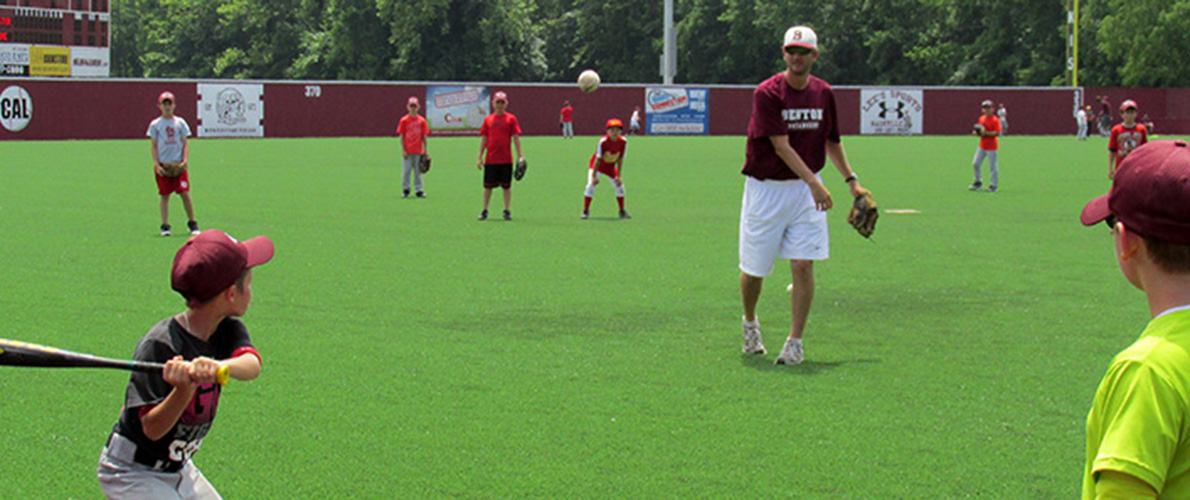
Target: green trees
pixel 877 42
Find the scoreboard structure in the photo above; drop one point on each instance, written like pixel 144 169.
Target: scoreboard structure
pixel 55 38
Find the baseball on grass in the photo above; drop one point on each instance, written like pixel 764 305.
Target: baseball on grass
pixel 588 81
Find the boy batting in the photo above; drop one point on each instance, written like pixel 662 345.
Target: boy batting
pixel 167 414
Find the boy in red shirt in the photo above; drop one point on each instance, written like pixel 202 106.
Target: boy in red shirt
pixel 413 130
pixel 500 130
pixel 607 160
pixel 1125 137
pixel 566 117
pixel 988 130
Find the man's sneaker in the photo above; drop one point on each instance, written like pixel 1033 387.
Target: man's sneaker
pixel 483 215
pixel 507 215
pixel 421 194
pixel 586 215
pixel 405 193
pixel 193 226
pixel 791 354
pixel 752 343
pixel 624 214
pixel 165 230
pixel 975 186
pixel 991 189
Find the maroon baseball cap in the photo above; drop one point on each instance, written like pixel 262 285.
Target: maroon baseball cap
pixel 166 96
pixel 1150 193
pixel 212 261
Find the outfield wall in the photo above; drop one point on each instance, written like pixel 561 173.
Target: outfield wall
pixel 122 108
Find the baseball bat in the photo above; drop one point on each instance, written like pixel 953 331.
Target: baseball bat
pixel 16 353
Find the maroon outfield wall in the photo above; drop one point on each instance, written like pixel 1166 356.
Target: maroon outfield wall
pixel 122 108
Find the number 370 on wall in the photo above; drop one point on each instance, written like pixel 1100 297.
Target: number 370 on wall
pixel 313 90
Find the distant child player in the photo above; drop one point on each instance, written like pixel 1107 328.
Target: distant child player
pixel 413 131
pixel 1125 137
pixel 634 122
pixel 609 161
pixel 566 118
pixel 1138 430
pixel 171 154
pixel 499 132
pixel 166 415
pixel 988 130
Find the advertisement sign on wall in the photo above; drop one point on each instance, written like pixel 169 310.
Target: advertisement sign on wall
pixel 456 110
pixel 226 110
pixel 90 61
pixel 14 59
pixel 49 61
pixel 677 111
pixel 16 108
pixel 891 111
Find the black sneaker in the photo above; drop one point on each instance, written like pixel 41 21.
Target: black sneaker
pixel 586 215
pixel 165 230
pixel 483 215
pixel 975 186
pixel 624 214
pixel 193 226
pixel 507 215
pixel 991 189
pixel 421 194
pixel 405 193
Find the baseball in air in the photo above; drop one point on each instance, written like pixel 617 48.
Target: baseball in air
pixel 789 289
pixel 588 81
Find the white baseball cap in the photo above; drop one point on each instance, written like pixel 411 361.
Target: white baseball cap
pixel 801 36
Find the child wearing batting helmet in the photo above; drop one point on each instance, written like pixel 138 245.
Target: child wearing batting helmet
pixel 609 161
pixel 166 415
pixel 1138 443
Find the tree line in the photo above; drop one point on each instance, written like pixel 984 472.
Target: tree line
pixel 864 42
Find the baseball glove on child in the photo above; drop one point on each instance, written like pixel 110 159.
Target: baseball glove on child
pixel 424 165
pixel 171 168
pixel 863 215
pixel 521 166
pixel 977 129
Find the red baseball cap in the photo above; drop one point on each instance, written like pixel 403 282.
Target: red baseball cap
pixel 614 122
pixel 212 261
pixel 1150 193
pixel 413 102
pixel 500 96
pixel 166 96
pixel 1129 103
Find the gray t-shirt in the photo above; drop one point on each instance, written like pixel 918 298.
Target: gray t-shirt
pixel 169 132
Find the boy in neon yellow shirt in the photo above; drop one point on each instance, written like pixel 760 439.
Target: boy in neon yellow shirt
pixel 1138 431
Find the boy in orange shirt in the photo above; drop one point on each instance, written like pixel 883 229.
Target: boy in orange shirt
pixel 988 130
pixel 413 129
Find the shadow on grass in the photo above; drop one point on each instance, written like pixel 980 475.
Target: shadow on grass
pixel 808 367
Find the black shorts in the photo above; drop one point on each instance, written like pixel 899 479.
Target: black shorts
pixel 497 174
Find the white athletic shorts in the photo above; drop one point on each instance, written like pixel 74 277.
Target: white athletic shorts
pixel 778 220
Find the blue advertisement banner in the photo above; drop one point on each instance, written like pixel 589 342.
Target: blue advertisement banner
pixel 677 111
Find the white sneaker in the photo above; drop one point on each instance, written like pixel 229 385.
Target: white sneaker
pixel 752 343
pixel 791 354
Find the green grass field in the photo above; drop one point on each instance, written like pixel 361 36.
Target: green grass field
pixel 413 352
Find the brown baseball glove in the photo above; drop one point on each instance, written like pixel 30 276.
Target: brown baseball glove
pixel 863 215
pixel 172 168
pixel 424 165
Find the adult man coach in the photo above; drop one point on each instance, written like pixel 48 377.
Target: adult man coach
pixel 793 129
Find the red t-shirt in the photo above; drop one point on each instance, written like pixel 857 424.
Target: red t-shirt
pixel 607 146
pixel 413 131
pixel 499 130
pixel 807 116
pixel 1125 139
pixel 567 112
pixel 990 124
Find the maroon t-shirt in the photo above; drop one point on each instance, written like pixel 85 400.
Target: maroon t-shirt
pixel 808 116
